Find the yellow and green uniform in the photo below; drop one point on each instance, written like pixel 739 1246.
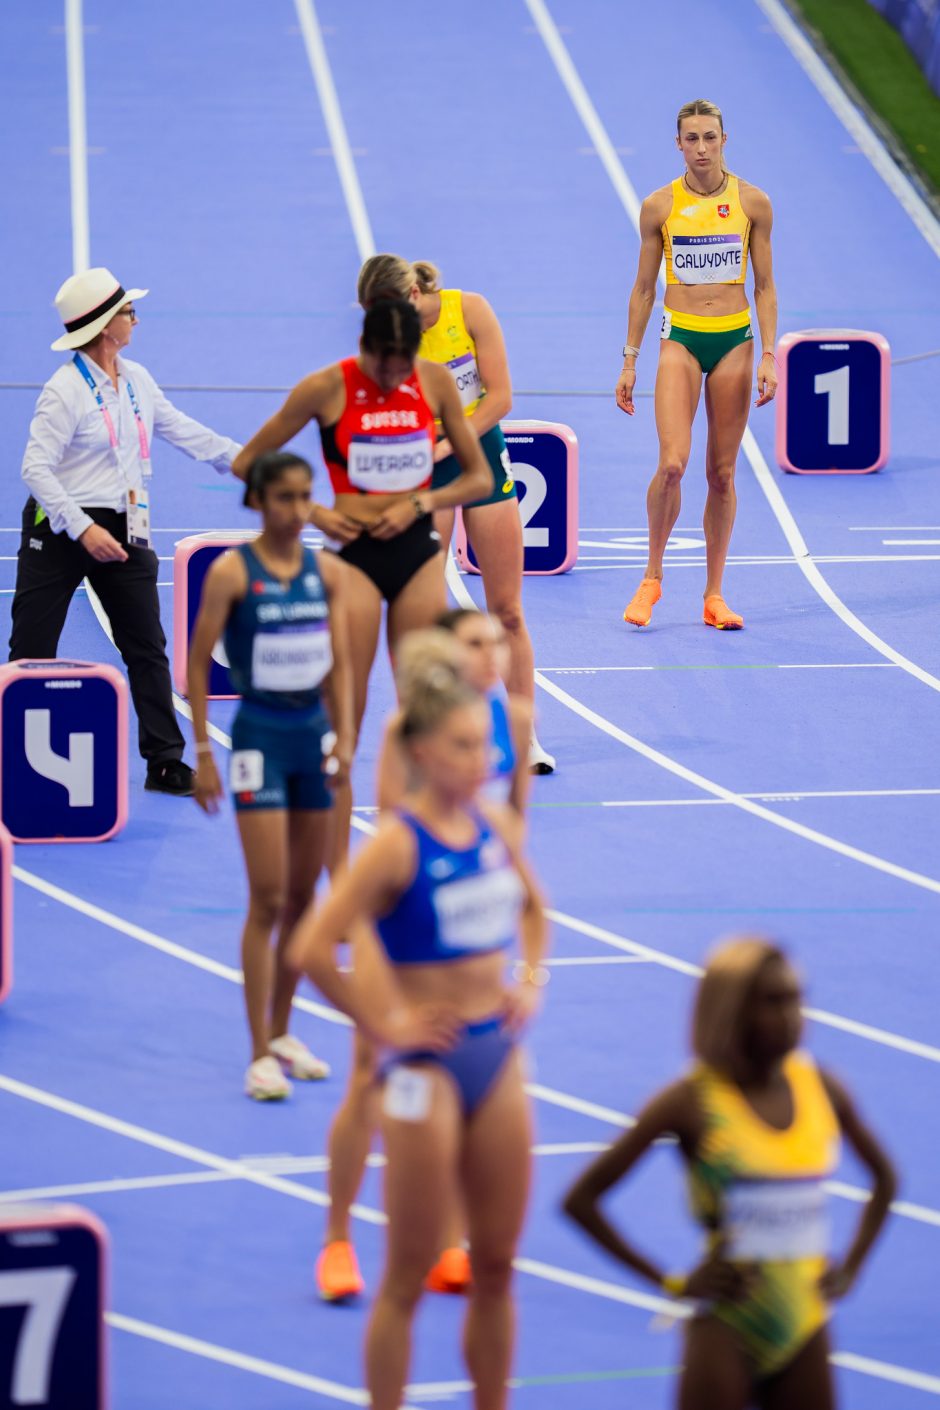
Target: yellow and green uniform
pixel 762 1191
pixel 705 241
pixel 448 342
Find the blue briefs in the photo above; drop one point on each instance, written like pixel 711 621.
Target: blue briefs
pixel 277 759
pixel 474 1062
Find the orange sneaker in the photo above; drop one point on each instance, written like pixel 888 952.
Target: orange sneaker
pixel 451 1272
pixel 338 1275
pixel 718 614
pixel 640 608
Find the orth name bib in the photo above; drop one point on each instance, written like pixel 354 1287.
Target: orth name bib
pixel 478 912
pixel 777 1221
pixel 390 464
pixel 294 658
pixel 707 259
pixel 466 375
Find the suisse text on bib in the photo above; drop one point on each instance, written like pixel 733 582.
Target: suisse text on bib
pixel 466 375
pixel 777 1221
pixel 294 658
pixel 390 464
pixel 478 912
pixel 707 259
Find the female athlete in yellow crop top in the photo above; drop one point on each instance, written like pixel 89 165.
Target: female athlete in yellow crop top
pixel 705 224
pixel 758 1127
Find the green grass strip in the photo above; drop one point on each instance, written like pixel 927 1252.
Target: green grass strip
pixel 885 72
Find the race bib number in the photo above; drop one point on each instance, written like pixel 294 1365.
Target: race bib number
pixel 466 375
pixel 294 658
pixel 407 1095
pixel 777 1220
pixel 390 464
pixel 480 911
pixel 707 259
pixel 246 771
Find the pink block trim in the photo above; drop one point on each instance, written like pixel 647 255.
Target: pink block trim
pixel 183 552
pixel 13 671
pixel 6 904
pixel 528 428
pixel 87 311
pixel 841 335
pixel 68 1216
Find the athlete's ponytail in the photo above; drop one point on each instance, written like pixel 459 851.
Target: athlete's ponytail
pixel 428 674
pixel 266 470
pixel 701 107
pixel 392 326
pixel 391 277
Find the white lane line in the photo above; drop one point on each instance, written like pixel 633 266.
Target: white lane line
pixel 747 805
pixel 780 796
pixel 880 1036
pixel 545 1271
pixel 857 126
pixel 271 1165
pixel 307 1165
pixel 78 136
pixel 225 1356
pixel 157 942
pixel 239 1169
pixel 911 543
pixel 624 188
pixel 887 529
pixel 235 1169
pixel 336 127
pixel 227 972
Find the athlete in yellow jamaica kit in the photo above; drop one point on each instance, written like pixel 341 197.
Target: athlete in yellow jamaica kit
pixel 705 223
pixel 758 1126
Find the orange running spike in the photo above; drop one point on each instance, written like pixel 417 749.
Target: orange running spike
pixel 451 1272
pixel 640 608
pixel 338 1275
pixel 718 614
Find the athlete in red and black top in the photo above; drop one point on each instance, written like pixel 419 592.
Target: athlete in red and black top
pixel 376 414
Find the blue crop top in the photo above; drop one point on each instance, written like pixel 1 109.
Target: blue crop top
pixel 462 902
pixel 278 637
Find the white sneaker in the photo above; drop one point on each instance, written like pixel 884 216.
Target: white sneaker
pixel 265 1082
pixel 297 1059
pixel 539 761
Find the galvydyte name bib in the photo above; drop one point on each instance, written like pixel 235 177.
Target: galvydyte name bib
pixel 293 658
pixel 390 464
pixel 776 1221
pixel 707 259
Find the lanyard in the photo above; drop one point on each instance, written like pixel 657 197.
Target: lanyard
pixel 112 434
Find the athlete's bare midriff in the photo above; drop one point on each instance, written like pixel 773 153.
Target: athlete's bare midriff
pixel 474 986
pixel 367 509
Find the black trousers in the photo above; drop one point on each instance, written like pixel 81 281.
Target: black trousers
pixel 49 569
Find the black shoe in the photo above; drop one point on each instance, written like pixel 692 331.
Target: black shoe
pixel 172 777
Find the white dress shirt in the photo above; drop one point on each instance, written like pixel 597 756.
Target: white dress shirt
pixel 69 462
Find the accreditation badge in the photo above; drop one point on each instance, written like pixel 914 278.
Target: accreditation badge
pixel 138 517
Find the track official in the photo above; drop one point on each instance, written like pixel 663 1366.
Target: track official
pixel 88 470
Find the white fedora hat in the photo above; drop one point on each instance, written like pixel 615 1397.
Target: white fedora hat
pixel 87 303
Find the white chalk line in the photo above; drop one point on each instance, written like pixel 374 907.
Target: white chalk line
pixel 197 1156
pixel 628 197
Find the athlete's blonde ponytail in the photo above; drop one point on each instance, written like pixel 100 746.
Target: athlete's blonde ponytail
pixel 701 107
pixel 428 674
pixel 391 277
